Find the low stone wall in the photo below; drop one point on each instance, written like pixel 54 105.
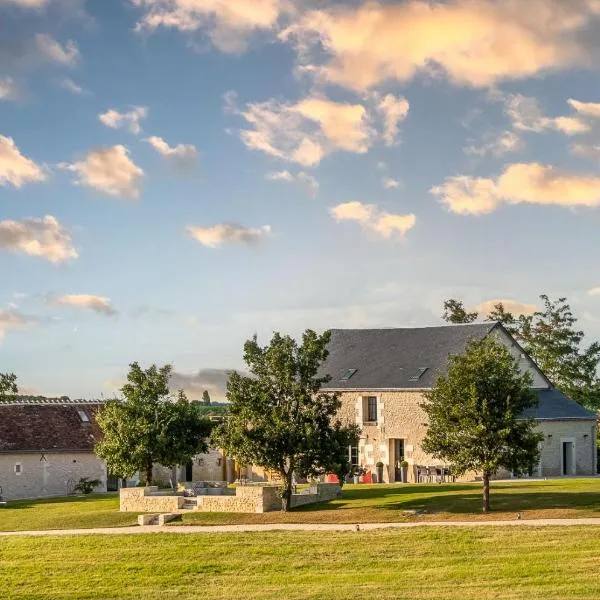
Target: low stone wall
pixel 247 499
pixel 148 499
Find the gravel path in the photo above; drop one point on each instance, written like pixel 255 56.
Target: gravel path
pixel 202 529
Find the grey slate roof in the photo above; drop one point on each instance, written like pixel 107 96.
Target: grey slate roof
pixel 555 405
pixel 387 358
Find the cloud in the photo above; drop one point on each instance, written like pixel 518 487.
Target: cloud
pixel 372 219
pixel 228 24
pixel 8 89
pixel 194 384
pixel 308 182
pixel 589 109
pixel 531 183
pixel 182 154
pixel 69 85
pixel 390 184
pixel 108 170
pixel 595 291
pixel 36 4
pixel 587 150
pixel 11 319
pixel 53 51
pixel 129 120
pixel 97 304
pixel 495 144
pixel 394 110
pixel 512 306
pixel 307 131
pixel 472 42
pixel 16 169
pixel 225 233
pixel 526 114
pixel 45 238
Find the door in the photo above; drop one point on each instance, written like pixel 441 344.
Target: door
pixel 112 483
pixel 398 458
pixel 567 459
pixel 189 471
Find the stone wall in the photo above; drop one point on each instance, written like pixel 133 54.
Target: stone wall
pixel 31 475
pixel 322 492
pixel 148 499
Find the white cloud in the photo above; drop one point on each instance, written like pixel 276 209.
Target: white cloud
pixel 129 120
pixel 45 238
pixel 37 4
pixel 109 170
pixel 587 150
pixel 307 131
pixel 182 154
pixel 512 306
pixel 8 89
pixel 595 291
pixel 472 42
pixel 372 219
pixel 69 85
pixel 531 183
pixel 53 51
pixel 495 144
pixel 16 169
pixel 390 184
pixel 227 23
pixel 98 304
pixel 394 110
pixel 589 109
pixel 11 319
pixel 308 182
pixel 224 233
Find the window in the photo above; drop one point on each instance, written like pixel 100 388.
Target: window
pixel 18 469
pixel 420 372
pixel 83 415
pixel 347 374
pixel 353 455
pixel 371 409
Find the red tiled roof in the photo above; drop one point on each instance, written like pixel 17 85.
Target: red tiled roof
pixel 48 427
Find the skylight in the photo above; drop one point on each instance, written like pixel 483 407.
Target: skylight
pixel 83 415
pixel 418 374
pixel 347 374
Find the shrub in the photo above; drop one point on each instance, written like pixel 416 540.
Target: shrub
pixel 86 486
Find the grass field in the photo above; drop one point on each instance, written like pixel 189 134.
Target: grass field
pixel 442 563
pixel 360 504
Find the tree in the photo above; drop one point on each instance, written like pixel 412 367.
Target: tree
pixel 278 416
pixel 8 386
pixel 455 312
pixel 476 414
pixel 148 427
pixel 551 338
pixel 205 398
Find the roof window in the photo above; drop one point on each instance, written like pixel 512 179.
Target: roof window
pixel 420 372
pixel 347 374
pixel 83 415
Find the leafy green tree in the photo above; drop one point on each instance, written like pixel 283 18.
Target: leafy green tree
pixel 551 337
pixel 147 426
pixel 455 312
pixel 8 386
pixel 279 418
pixel 475 414
pixel 205 398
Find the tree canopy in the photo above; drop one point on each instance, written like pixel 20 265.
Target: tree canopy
pixel 279 418
pixel 148 426
pixel 205 398
pixel 476 414
pixel 8 386
pixel 551 337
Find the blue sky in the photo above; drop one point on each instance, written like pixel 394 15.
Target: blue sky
pixel 176 175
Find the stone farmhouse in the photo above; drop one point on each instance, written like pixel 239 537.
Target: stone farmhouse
pixel 381 375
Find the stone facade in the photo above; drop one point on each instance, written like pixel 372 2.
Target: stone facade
pixel 400 417
pixel 43 474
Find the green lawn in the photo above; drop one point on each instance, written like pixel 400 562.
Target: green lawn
pixel 359 504
pixel 442 563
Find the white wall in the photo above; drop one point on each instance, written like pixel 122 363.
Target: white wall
pixel 51 476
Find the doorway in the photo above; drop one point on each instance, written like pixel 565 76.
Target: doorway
pixel 398 458
pixel 568 457
pixel 189 471
pixel 112 483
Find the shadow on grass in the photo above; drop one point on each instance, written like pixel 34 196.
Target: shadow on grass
pixel 34 503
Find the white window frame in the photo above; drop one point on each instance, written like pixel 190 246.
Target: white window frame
pixel 18 469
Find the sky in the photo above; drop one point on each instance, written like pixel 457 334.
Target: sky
pixel 179 175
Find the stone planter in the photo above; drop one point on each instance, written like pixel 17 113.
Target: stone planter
pixel 356 479
pixel 404 474
pixel 379 474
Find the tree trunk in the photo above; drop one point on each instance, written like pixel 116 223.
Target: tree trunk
pixel 286 490
pixel 486 491
pixel 149 472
